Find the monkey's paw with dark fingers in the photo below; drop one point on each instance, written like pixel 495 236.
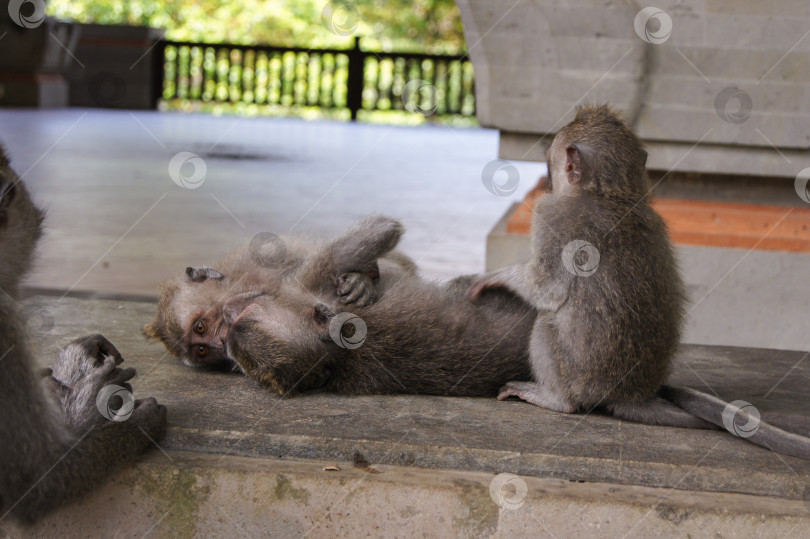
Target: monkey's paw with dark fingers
pixel 82 370
pixel 482 283
pixel 357 289
pixel 149 417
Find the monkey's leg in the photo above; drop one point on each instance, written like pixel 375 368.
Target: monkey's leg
pixel 356 251
pixel 546 390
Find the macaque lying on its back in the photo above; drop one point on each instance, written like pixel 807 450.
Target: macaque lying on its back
pixel 420 337
pixel 189 318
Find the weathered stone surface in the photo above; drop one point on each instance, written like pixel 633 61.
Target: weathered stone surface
pixel 231 415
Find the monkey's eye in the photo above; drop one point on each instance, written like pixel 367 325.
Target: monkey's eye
pixel 201 350
pixel 199 327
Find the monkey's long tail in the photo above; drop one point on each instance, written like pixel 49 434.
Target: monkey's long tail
pixel 753 429
pixel 658 411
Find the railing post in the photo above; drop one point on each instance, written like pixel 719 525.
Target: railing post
pixel 355 79
pixel 158 71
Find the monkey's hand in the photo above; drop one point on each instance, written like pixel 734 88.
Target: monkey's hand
pixel 82 369
pixel 483 282
pixel 356 288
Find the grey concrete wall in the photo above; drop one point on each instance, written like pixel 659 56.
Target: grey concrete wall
pixel 710 85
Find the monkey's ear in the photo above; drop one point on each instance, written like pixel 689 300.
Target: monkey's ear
pixel 322 316
pixel 198 275
pixel 574 163
pixel 644 156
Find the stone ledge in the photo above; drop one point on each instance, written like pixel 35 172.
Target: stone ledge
pixel 230 416
pixel 209 495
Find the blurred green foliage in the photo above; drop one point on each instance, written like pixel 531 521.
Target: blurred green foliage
pixel 432 26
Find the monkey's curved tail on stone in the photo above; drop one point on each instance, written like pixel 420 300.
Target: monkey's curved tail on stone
pixel 761 432
pixel 658 411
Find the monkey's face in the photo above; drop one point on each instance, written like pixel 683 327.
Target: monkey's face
pixel 190 323
pixel 277 342
pixel 20 225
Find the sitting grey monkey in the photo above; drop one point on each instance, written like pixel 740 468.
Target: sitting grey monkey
pixel 56 444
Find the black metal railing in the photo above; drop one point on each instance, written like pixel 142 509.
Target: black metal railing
pixel 350 79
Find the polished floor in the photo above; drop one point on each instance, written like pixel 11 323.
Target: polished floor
pixel 118 224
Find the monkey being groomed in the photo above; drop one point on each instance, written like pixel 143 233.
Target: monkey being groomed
pixel 54 442
pixel 420 337
pixel 189 318
pixel 608 293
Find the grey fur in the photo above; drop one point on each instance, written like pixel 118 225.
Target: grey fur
pixel 55 442
pixel 199 296
pixel 421 337
pixel 606 332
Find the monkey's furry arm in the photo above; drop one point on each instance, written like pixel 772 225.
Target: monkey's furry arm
pixel 542 294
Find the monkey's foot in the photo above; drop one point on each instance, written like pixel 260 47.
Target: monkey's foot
pixel 356 288
pixel 536 394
